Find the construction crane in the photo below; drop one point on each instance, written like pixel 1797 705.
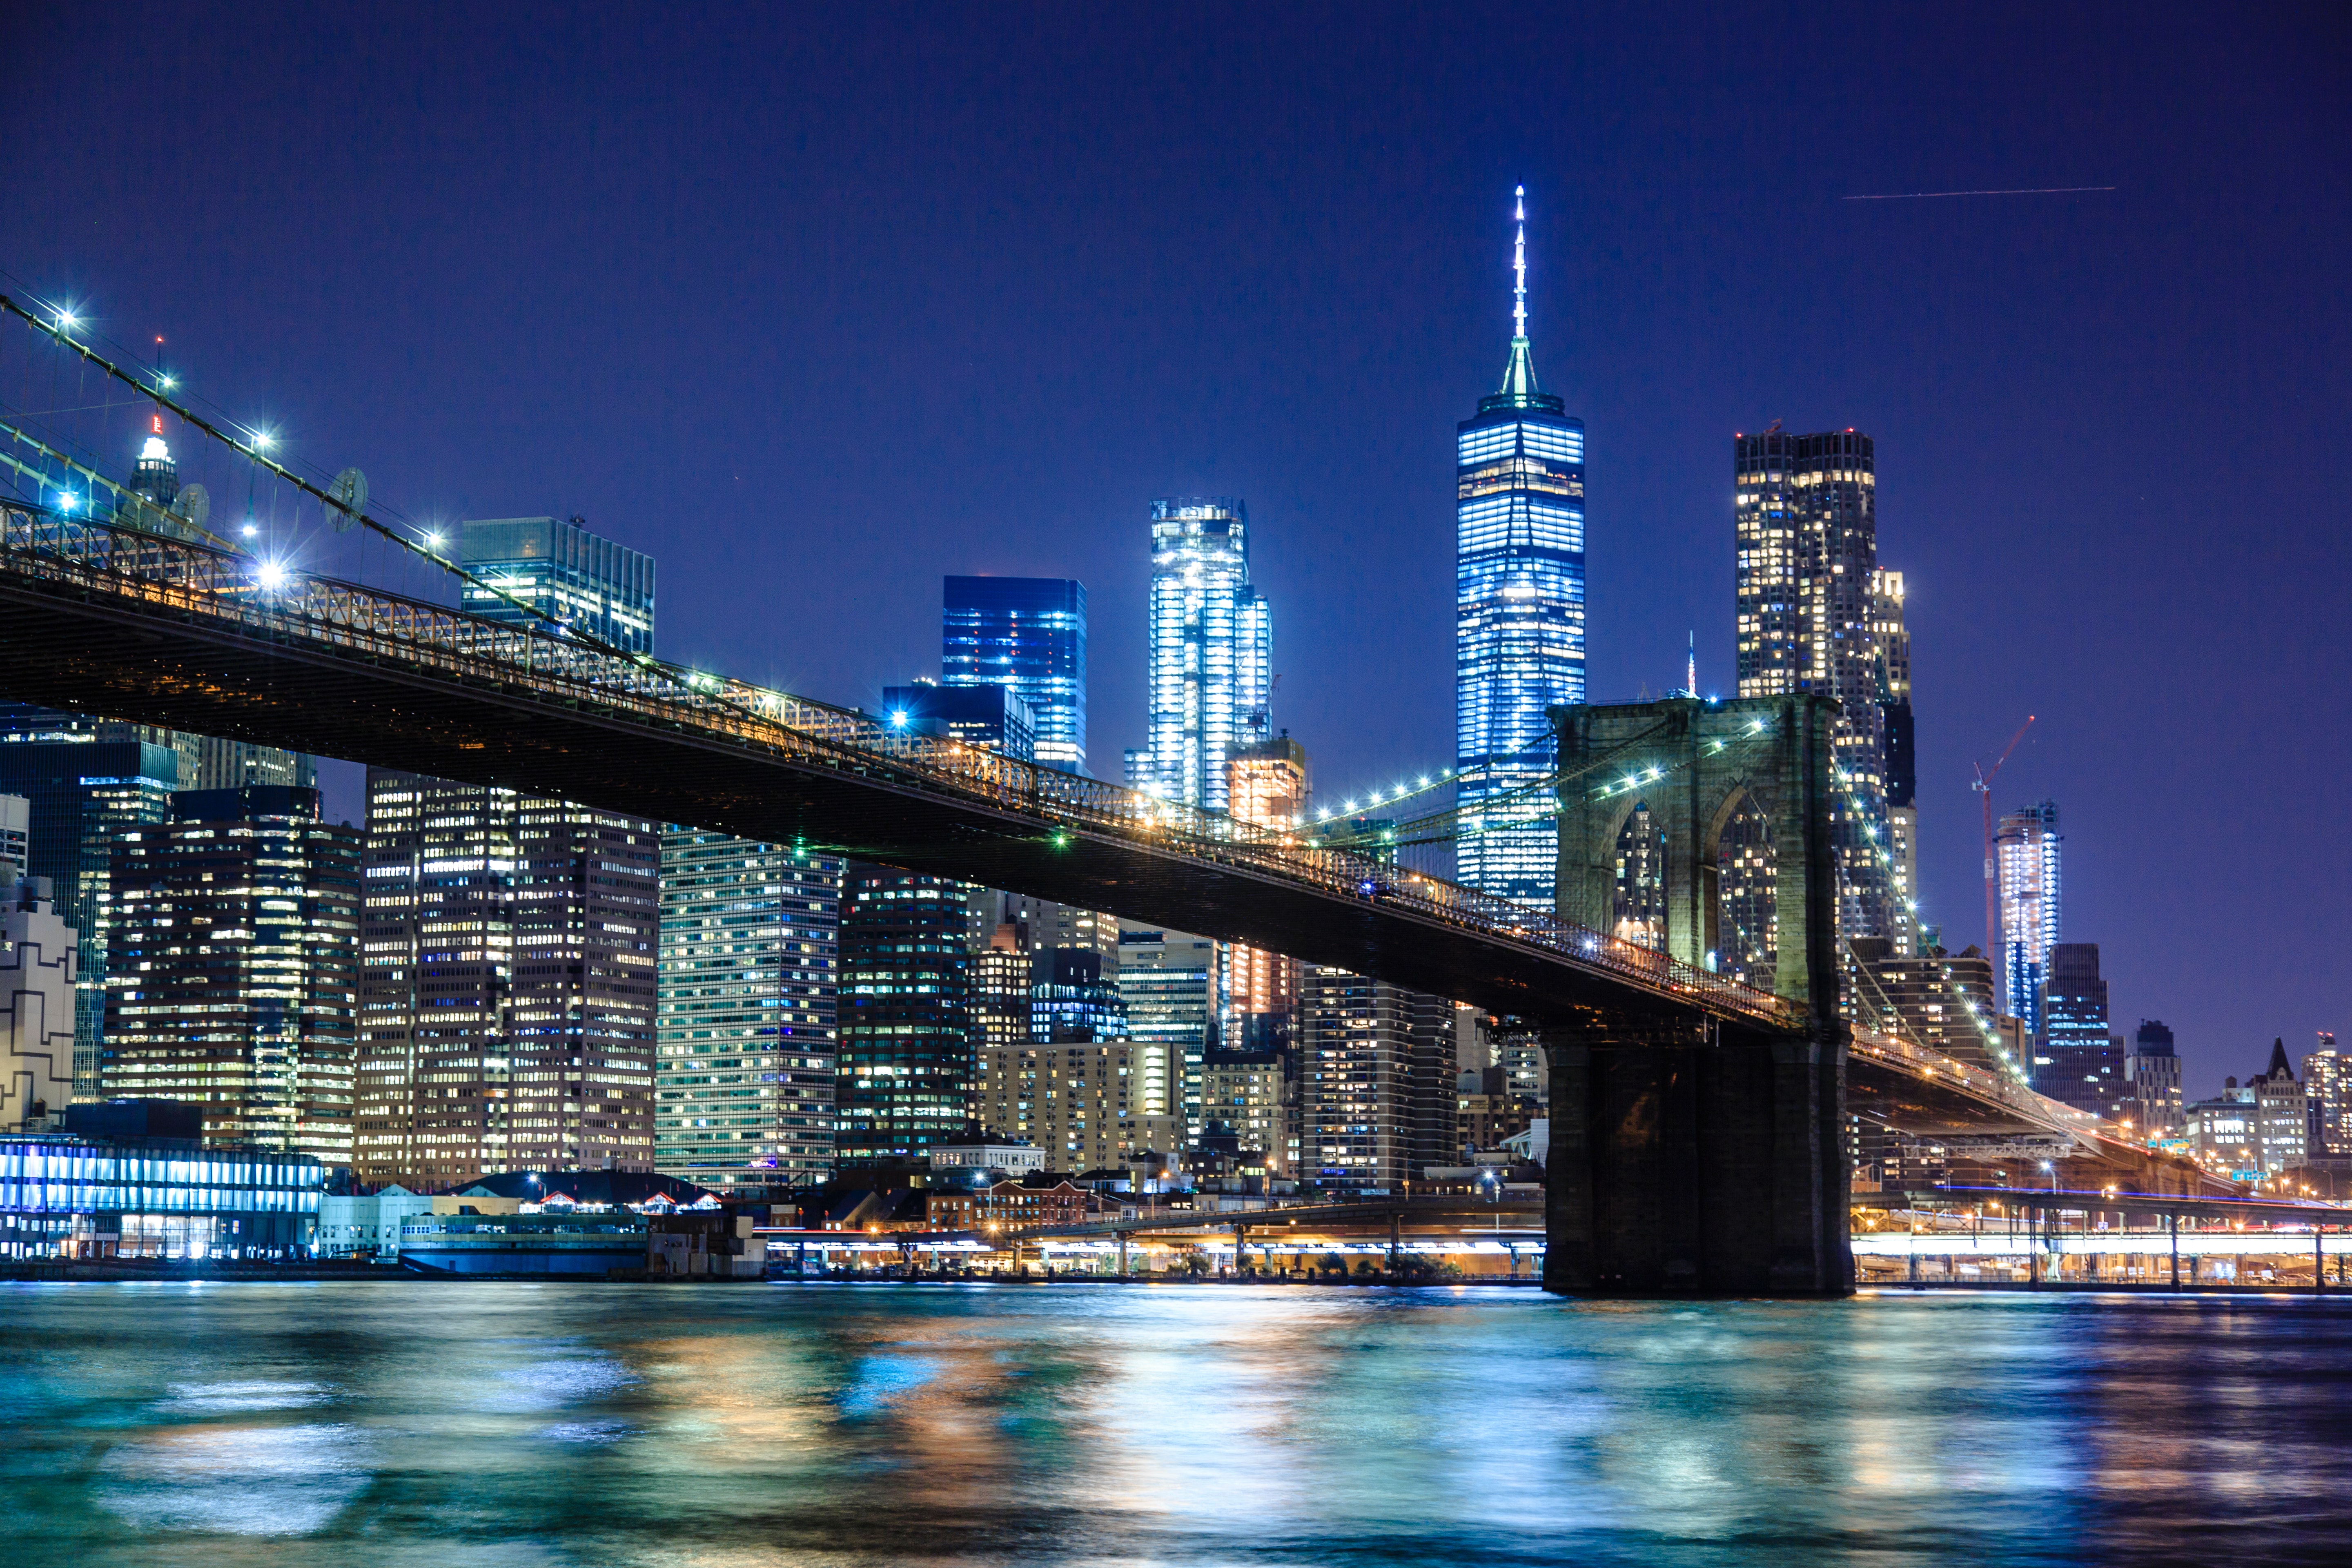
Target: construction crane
pixel 1983 786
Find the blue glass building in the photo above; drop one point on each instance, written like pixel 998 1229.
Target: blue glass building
pixel 1518 617
pixel 993 717
pixel 563 572
pixel 1030 633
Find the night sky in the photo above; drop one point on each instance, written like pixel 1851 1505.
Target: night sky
pixel 816 305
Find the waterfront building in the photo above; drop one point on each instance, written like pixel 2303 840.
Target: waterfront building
pixel 1376 1082
pixel 1810 599
pixel 2152 1080
pixel 561 573
pixel 234 930
pixel 83 792
pixel 1519 614
pixel 2328 1086
pixel 2025 856
pixel 38 953
pixel 507 987
pixel 905 1013
pixel 993 717
pixel 1028 635
pixel 1212 650
pixel 133 1179
pixel 1167 985
pixel 743 1082
pixel 2077 1061
pixel 1081 1100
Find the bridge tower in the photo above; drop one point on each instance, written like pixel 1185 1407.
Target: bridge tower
pixel 1693 1154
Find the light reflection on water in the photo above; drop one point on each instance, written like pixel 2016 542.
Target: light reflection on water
pixel 397 1421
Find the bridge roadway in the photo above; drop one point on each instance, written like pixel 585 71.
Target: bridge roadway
pixel 172 632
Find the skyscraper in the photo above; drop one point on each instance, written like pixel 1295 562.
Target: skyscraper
pixel 2078 1060
pixel 1518 570
pixel 507 984
pixel 1212 651
pixel 564 572
pixel 234 932
pixel 36 1003
pixel 1028 633
pixel 1811 601
pixel 749 941
pixel 2025 852
pixel 906 1074
pixel 1892 632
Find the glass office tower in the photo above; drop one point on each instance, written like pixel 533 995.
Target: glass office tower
pixel 1212 651
pixel 906 1073
pixel 563 572
pixel 1518 617
pixel 1029 633
pixel 743 1084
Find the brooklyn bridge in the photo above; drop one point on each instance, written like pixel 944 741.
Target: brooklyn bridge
pixel 1699 1126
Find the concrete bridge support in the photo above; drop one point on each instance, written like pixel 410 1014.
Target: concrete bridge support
pixel 1698 1166
pixel 1690 1156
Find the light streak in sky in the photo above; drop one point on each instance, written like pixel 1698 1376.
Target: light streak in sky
pixel 1923 195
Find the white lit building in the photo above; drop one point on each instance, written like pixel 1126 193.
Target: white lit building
pixel 1211 680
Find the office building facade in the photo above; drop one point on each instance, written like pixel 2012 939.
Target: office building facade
pixel 1078 1101
pixel 1211 677
pixel 744 1025
pixel 1266 786
pixel 37 954
pixel 1167 985
pixel 561 573
pixel 235 931
pixel 82 794
pixel 2152 1079
pixel 2327 1089
pixel 993 717
pixel 1376 1082
pixel 2078 1060
pixel 1811 601
pixel 1028 635
pixel 1519 617
pixel 508 984
pixel 904 1013
pixel 2026 860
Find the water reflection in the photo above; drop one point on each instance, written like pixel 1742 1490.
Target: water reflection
pixel 388 1421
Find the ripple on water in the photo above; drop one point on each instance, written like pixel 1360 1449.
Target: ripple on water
pixel 242 1480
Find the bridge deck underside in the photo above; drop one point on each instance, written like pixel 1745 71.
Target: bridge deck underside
pixel 155 664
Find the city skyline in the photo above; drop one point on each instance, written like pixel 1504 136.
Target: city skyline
pixel 1322 401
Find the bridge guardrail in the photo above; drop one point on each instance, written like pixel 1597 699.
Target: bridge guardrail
pixel 204 580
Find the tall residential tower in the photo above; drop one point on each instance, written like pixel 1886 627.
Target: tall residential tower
pixel 1519 615
pixel 1212 651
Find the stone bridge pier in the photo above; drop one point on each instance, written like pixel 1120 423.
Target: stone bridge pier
pixel 1693 1154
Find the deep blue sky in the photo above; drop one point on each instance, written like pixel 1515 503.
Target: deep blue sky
pixel 818 305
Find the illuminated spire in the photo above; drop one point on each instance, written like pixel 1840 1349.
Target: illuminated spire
pixel 1519 267
pixel 1519 389
pixel 1693 689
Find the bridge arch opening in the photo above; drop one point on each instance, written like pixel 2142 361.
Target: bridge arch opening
pixel 1639 907
pixel 1746 944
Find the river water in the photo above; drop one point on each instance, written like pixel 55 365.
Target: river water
pixel 438 1424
